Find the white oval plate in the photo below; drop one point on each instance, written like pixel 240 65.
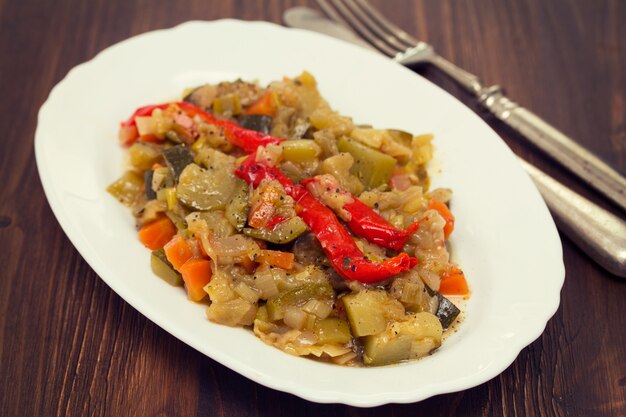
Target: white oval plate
pixel 505 238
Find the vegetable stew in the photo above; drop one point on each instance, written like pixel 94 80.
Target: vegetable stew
pixel 285 217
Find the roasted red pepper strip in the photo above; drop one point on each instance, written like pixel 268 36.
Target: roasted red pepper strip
pixel 341 249
pixel 366 223
pixel 274 221
pixel 246 139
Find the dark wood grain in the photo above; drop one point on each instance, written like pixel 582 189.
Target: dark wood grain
pixel 69 346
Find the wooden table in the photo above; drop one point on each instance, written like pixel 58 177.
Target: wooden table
pixel 70 346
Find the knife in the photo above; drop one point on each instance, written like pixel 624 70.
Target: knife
pixel 598 232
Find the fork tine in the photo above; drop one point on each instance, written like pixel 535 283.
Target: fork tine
pixel 387 24
pixel 340 13
pixel 360 9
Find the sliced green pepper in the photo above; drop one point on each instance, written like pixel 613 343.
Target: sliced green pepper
pixel 164 270
pixel 276 305
pixel 282 233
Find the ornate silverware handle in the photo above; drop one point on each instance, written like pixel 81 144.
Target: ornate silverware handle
pixel 546 137
pixel 599 233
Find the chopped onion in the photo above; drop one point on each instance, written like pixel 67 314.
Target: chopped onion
pixel 344 359
pixel 233 249
pixel 246 293
pixel 422 347
pixel 232 313
pixel 294 317
pixel 333 350
pixel 264 282
pixel 319 308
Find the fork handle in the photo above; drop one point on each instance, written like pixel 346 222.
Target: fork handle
pixel 599 233
pixel 546 137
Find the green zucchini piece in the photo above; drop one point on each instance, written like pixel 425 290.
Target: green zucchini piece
pixel 202 96
pixel 411 338
pixel 177 158
pixel 446 312
pixel 258 122
pixel 332 330
pixel 282 233
pixel 127 188
pixel 205 189
pixel 369 311
pixel 372 167
pixel 237 209
pixel 163 269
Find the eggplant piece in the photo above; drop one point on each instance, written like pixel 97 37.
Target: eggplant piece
pixel 259 122
pixel 308 250
pixel 147 178
pixel 177 158
pixel 446 312
pixel 202 96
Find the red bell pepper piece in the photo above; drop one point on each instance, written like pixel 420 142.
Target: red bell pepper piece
pixel 246 139
pixel 341 249
pixel 366 223
pixel 274 221
pixel 143 111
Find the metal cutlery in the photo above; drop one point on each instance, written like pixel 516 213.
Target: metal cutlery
pixel 601 234
pixel 405 49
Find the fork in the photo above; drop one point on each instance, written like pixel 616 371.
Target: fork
pixel 406 50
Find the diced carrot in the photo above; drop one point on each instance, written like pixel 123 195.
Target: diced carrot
pixel 266 105
pixel 453 282
pixel 196 274
pixel 276 258
pixel 156 234
pixel 156 165
pixel 248 264
pixel 445 212
pixel 263 208
pixel 178 251
pixel 261 213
